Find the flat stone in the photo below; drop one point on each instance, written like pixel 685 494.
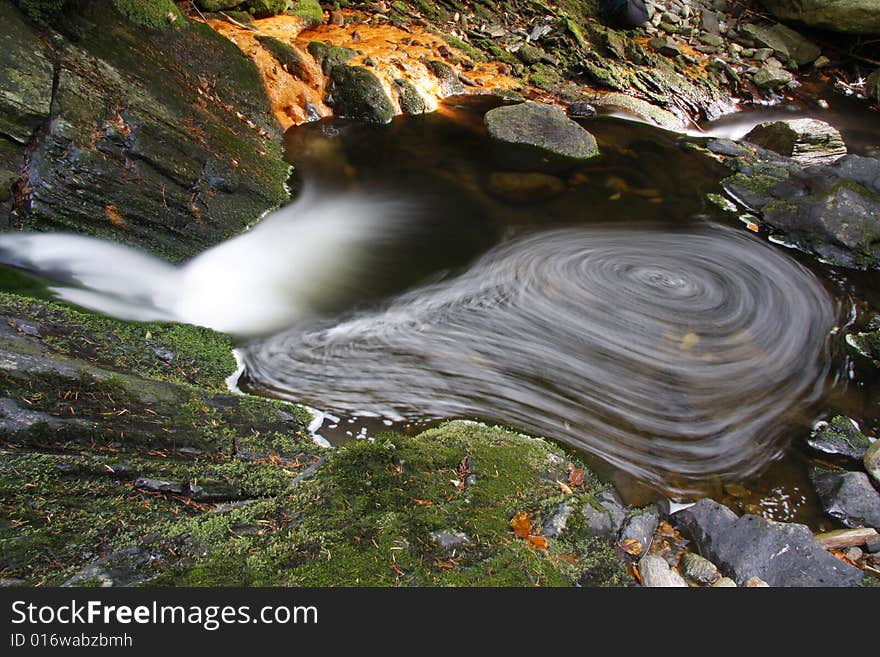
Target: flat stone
pixel 160 486
pixel 656 573
pixel 843 538
pixel 605 514
pixel 640 526
pixel 771 77
pixel 848 496
pixel 450 540
pixel 839 436
pixel 782 554
pixel 805 140
pixel 767 37
pixel 543 126
pixel 556 522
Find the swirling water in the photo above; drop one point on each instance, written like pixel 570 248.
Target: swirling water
pixel 611 307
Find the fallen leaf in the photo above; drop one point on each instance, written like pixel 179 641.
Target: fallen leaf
pixel 538 541
pixel 576 477
pixel 564 488
pixel 522 525
pixel 632 546
pixel 424 502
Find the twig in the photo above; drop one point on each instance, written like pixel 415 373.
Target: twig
pixel 201 15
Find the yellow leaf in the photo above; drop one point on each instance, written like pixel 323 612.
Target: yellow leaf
pixel 522 525
pixel 689 341
pixel 632 546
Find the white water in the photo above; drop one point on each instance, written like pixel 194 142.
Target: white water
pixel 280 272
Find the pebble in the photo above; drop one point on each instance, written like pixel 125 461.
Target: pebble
pixel 656 573
pixel 699 569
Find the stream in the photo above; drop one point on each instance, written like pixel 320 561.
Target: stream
pixel 609 305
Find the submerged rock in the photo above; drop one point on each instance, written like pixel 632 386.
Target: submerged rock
pixel 781 554
pixel 357 94
pixel 545 127
pixel 805 140
pixel 848 496
pixel 524 187
pixel 839 436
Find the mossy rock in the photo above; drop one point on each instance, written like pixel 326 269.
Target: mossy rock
pixel 409 98
pixel 307 9
pixel 329 55
pixel 357 94
pixel 544 127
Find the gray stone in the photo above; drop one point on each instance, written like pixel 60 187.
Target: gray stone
pixel 848 496
pixel 872 461
pixel 605 514
pixel 699 569
pixel 450 540
pixel 556 522
pixel 656 573
pixel 853 16
pixel 802 50
pixel 839 436
pixel 771 77
pixel 543 126
pixel 126 567
pixel 639 108
pixel 450 85
pixel 160 486
pixel 665 46
pixel 640 526
pixel 782 554
pixel 805 140
pixel 766 36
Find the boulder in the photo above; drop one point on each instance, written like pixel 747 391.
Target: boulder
pixel 848 496
pixel 805 140
pixel 781 554
pixel 785 42
pixel 771 77
pixel 656 573
pixel 356 93
pixel 851 16
pixel 604 514
pixel 545 127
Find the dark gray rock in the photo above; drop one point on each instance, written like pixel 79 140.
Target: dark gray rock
pixel 356 93
pixel 640 526
pixel 555 523
pixel 805 140
pixel 605 514
pixel 126 567
pixel 872 86
pixel 848 496
pixel 782 554
pixel 839 436
pixel 727 147
pixel 160 486
pixel 542 126
pixel 771 77
pixel 581 110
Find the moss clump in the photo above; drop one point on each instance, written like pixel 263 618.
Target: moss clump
pixel 356 93
pixel 409 98
pixel 307 9
pixel 544 76
pixel 328 55
pixel 374 511
pixel 158 14
pixel 264 8
pixel 42 12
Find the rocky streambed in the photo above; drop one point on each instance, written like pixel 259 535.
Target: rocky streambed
pixel 126 460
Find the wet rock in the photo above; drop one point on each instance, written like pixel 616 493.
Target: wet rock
pixel 450 540
pixel 529 54
pixel 409 98
pixel 853 16
pixel 872 461
pixel 581 110
pixel 26 79
pixel 328 55
pixel 656 573
pixel 126 567
pixel 665 46
pixel 640 527
pixel 120 140
pixel 839 436
pixel 160 486
pixel 639 108
pixel 290 56
pixel 556 522
pixel 872 545
pixel 727 147
pixel 699 569
pixel 605 514
pixel 782 554
pixel 357 94
pixel 771 77
pixel 872 86
pixel 450 85
pixel 529 187
pixel 623 14
pixel 848 496
pixel 867 343
pixel 805 140
pixel 545 127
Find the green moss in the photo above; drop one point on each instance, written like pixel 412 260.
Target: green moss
pixel 42 12
pixel 159 14
pixel 264 8
pixel 466 48
pixel 329 55
pixel 544 76
pixel 308 9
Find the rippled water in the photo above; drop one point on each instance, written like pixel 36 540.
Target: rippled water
pixel 672 355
